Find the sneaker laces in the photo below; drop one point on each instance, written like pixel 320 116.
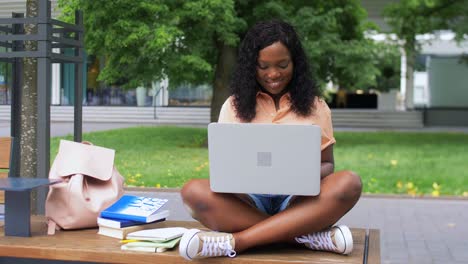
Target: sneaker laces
pixel 217 246
pixel 318 241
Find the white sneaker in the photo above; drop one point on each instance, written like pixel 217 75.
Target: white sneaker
pixel 337 239
pixel 198 244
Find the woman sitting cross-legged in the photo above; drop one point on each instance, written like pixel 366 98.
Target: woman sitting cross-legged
pixel 272 84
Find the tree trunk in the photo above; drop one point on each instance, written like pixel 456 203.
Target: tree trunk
pixel 224 67
pixel 28 142
pixel 410 50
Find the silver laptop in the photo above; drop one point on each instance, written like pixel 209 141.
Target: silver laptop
pixel 264 158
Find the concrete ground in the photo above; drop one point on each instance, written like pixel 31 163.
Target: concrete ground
pixel 66 128
pixel 412 230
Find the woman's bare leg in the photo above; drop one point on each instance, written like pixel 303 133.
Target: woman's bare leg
pixel 223 212
pixel 219 211
pixel 339 193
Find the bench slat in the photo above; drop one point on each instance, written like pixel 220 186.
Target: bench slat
pixel 374 247
pixel 5 146
pixel 87 245
pixel 2 193
pixel 5 143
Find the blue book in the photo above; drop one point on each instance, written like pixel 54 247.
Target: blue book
pixel 116 223
pixel 137 208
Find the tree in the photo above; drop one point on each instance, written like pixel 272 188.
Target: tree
pixel 389 64
pixel 335 42
pixel 196 41
pixel 28 112
pixel 409 18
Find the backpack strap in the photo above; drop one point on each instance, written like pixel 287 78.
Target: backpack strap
pixel 52 227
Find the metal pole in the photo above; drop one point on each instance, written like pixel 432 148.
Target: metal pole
pixel 78 105
pixel 17 85
pixel 44 71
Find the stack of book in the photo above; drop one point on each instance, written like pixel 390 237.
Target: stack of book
pixel 153 240
pixel 131 213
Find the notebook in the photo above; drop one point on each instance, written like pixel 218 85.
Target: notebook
pixel 158 234
pixel 264 158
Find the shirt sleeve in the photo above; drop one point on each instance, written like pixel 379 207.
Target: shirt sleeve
pixel 325 122
pixel 227 113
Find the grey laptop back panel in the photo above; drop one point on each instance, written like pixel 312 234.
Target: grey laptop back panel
pixel 264 158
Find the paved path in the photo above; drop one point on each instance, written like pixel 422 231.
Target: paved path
pixel 66 128
pixel 425 231
pixel 419 231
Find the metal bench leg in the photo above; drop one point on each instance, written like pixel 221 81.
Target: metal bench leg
pixel 18 213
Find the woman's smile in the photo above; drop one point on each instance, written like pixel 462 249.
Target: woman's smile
pixel 274 68
pixel 274 84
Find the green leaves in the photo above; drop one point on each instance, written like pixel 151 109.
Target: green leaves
pixel 410 17
pixel 145 40
pixel 133 36
pixel 334 41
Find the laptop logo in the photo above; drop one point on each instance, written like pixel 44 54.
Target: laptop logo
pixel 263 159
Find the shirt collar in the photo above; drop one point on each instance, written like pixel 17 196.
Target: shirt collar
pixel 285 96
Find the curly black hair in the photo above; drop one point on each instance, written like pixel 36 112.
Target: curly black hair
pixel 244 85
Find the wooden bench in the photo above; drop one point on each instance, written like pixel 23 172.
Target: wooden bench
pixel 87 245
pixel 17 191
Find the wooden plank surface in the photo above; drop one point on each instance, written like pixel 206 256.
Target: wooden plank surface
pixel 373 256
pixel 2 193
pixel 87 245
pixel 5 143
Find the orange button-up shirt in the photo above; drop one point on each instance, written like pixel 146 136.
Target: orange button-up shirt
pixel 266 113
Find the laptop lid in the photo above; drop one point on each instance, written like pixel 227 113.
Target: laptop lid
pixel 264 158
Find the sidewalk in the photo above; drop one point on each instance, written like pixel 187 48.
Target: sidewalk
pixel 58 129
pixel 66 128
pixel 412 230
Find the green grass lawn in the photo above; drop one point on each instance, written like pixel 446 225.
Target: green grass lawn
pixel 388 162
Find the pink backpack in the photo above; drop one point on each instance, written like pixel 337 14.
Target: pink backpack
pixel 90 183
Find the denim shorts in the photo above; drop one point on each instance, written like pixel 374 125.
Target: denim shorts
pixel 269 203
